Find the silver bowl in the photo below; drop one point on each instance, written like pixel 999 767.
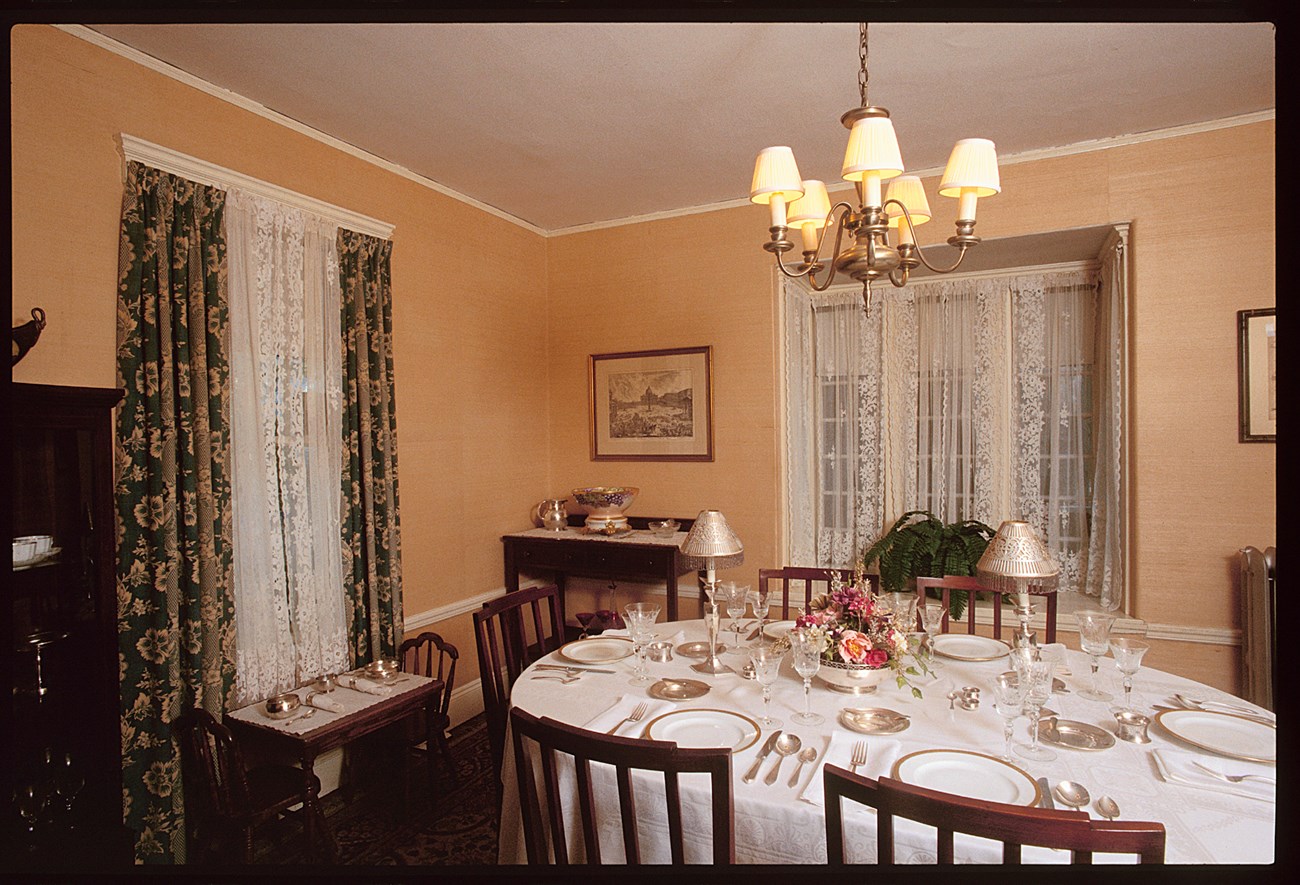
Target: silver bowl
pixel 282 706
pixel 325 684
pixel 382 668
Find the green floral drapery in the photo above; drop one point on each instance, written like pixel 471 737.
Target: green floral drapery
pixel 175 615
pixel 372 557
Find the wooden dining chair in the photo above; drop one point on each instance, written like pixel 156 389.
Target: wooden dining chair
pixel 970 586
pixel 1012 825
pixel 225 801
pixel 544 814
pixel 430 655
pixel 511 632
pixel 815 582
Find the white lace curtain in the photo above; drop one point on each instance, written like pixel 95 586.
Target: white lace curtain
pixel 286 445
pixel 974 398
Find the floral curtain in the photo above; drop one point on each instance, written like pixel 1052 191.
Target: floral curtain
pixel 371 536
pixel 175 615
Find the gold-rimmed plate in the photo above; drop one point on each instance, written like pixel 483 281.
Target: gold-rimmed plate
pixel 965 773
pixel 778 629
pixel 1236 736
pixel 596 650
pixel 678 689
pixel 873 720
pixel 969 647
pixel 1075 735
pixel 704 728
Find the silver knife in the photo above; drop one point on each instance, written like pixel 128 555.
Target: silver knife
pixel 762 754
pixel 574 669
pixel 1043 788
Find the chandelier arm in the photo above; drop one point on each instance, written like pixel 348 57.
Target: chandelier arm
pixel 900 280
pixel 839 236
pixel 960 255
pixel 839 229
pixel 790 273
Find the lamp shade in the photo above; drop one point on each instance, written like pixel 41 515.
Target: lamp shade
pixel 711 544
pixel 812 208
pixel 775 173
pixel 872 150
pixel 1016 561
pixel 908 191
pixel 972 165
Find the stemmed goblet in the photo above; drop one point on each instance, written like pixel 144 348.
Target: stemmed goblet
pixel 67 777
pixel 932 623
pixel 807 653
pixel 585 619
pixel 31 801
pixel 1038 675
pixel 1128 658
pixel 641 617
pixel 736 597
pixel 760 601
pixel 767 663
pixel 1009 700
pixel 1094 639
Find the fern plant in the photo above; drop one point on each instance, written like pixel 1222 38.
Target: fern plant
pixel 919 544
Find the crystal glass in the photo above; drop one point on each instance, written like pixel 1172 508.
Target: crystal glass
pixel 1094 639
pixel 1038 675
pixel 31 801
pixel 760 602
pixel 68 779
pixel 641 617
pixel 585 619
pixel 1128 657
pixel 903 605
pixel 932 623
pixel 807 653
pixel 734 597
pixel 767 663
pixel 1009 700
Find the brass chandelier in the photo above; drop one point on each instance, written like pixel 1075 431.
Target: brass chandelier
pixel 872 156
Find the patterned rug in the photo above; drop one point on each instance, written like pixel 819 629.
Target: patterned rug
pixel 452 825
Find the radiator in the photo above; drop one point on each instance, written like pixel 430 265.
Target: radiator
pixel 1259 625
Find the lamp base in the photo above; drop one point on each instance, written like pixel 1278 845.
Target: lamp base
pixel 713 665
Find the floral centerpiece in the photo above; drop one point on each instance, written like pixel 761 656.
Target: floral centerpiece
pixel 861 643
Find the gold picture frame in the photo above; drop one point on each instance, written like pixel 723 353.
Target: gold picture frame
pixel 651 405
pixel 1257 374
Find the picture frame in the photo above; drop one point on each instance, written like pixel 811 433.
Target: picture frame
pixel 651 405
pixel 1257 374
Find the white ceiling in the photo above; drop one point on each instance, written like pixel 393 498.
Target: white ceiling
pixel 565 125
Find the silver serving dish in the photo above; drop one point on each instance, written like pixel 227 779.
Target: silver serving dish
pixel 325 684
pixel 381 669
pixel 282 706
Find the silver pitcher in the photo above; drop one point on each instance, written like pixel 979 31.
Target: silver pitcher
pixel 553 514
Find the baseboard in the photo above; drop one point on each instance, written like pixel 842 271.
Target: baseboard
pixel 466 702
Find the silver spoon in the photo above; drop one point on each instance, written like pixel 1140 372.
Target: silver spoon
pixel 808 755
pixel 786 745
pixel 1107 808
pixel 1072 794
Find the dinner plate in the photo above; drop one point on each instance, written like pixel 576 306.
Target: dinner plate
pixel 967 647
pixel 964 773
pixel 1075 735
pixel 697 649
pixel 596 650
pixel 1223 733
pixel 873 720
pixel 702 728
pixel 778 629
pixel 678 689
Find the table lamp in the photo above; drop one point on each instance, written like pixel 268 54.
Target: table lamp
pixel 1017 562
pixel 711 545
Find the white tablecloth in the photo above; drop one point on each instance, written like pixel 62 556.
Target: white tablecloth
pixel 777 824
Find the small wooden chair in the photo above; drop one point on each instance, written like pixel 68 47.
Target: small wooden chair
pixel 222 795
pixel 1012 825
pixel 625 754
pixel 816 581
pixel 430 655
pixel 511 632
pixel 971 586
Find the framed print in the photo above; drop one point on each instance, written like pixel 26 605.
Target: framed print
pixel 1257 374
pixel 651 405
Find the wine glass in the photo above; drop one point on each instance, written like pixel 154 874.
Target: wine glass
pixel 1128 657
pixel 641 617
pixel 585 619
pixel 68 779
pixel 903 605
pixel 767 663
pixel 1094 639
pixel 734 598
pixel 932 614
pixel 1009 700
pixel 31 801
pixel 807 652
pixel 1038 675
pixel 760 601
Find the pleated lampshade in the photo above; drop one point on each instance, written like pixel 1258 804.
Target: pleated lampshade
pixel 1016 561
pixel 711 544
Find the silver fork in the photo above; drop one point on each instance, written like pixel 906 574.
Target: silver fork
pixel 859 756
pixel 1235 778
pixel 635 716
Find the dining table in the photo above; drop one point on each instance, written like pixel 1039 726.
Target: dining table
pixel 1174 777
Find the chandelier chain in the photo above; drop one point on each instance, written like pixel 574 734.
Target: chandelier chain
pixel 862 62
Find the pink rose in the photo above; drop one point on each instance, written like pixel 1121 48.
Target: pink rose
pixel 854 647
pixel 877 658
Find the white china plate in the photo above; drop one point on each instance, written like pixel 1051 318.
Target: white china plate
pixel 678 689
pixel 596 650
pixel 873 720
pixel 778 629
pixel 964 647
pixel 1223 733
pixel 964 773
pixel 702 728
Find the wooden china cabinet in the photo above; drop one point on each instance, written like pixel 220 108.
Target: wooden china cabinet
pixel 63 772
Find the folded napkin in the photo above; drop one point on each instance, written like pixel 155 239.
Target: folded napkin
pixel 1054 652
pixel 881 755
pixel 365 685
pixel 322 702
pixel 621 709
pixel 1177 767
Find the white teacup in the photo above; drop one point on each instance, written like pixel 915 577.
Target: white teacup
pixel 23 550
pixel 41 544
